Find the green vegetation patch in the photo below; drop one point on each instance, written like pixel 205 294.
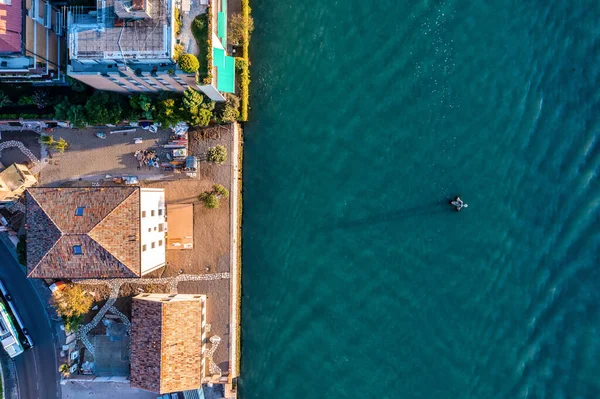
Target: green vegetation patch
pixel 201 26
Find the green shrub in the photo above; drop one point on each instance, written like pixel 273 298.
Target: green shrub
pixel 188 63
pixel 178 51
pixel 61 145
pixel 103 108
pixel 199 117
pixel 46 140
pixel 230 110
pixel 239 28
pixel 217 154
pixel 178 22
pixel 26 100
pixel 209 199
pixel 221 191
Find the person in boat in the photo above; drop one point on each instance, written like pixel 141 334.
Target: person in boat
pixel 458 204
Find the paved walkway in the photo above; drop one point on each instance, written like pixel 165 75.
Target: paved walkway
pixel 115 287
pixel 235 281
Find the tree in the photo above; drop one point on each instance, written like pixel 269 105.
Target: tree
pixel 103 108
pixel 4 99
pixel 46 140
pixel 61 109
pixel 76 115
pixel 26 100
pixel 199 116
pixel 210 199
pixel 192 98
pixel 188 63
pixel 178 51
pixel 143 103
pixel 168 112
pixel 61 145
pixel 230 110
pixel 220 191
pixel 237 27
pixel 64 369
pixel 72 303
pixel 41 98
pixel 197 111
pixel 217 154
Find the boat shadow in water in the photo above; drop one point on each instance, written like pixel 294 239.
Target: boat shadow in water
pixel 423 210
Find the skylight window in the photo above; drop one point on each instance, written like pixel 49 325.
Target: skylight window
pixel 79 211
pixel 77 250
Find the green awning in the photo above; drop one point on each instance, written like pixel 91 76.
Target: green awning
pixel 218 57
pixel 222 27
pixel 226 76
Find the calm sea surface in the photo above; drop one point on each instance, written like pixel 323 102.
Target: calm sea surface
pixel 359 279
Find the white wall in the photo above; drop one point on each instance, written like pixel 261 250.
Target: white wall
pixel 152 202
pixel 212 93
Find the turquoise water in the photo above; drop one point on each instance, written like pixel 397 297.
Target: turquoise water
pixel 359 279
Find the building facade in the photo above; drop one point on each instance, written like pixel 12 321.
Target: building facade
pixel 32 42
pixel 126 46
pixel 13 182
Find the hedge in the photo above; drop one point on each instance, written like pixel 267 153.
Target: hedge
pixel 26 116
pixel 241 65
pixel 244 69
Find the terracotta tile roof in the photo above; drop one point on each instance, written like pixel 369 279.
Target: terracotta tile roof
pixel 166 345
pixel 10 27
pixel 107 232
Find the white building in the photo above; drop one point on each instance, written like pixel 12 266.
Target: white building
pixel 153 228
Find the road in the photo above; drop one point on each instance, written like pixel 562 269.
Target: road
pixel 37 370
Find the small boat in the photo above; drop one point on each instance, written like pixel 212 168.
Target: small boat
pixel 101 135
pixel 458 204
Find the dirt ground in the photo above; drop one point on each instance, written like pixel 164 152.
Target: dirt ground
pixel 217 314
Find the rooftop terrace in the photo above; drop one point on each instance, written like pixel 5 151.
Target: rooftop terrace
pixel 141 30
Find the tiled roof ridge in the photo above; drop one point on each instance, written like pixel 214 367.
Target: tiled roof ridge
pixel 114 209
pixel 55 225
pixel 89 234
